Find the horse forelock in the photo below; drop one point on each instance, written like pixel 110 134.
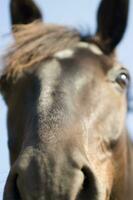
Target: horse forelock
pixel 36 42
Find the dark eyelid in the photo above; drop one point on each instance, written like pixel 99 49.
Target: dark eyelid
pixel 124 69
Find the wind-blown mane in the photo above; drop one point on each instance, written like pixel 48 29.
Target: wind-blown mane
pixel 35 43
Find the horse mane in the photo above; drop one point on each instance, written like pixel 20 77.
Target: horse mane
pixel 35 43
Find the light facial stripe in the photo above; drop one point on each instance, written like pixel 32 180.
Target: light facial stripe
pixel 92 47
pixel 67 53
pixel 49 81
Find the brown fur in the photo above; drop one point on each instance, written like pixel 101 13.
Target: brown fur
pixel 66 119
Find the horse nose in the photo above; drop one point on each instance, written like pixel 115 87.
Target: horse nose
pixel 44 179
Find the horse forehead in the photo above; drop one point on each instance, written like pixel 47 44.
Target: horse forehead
pixel 69 53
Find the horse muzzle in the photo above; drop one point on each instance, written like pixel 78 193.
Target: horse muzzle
pixel 36 176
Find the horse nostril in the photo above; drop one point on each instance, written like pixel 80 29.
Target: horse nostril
pixel 17 188
pixel 11 190
pixel 88 190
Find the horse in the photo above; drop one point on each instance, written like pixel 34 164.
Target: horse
pixel 67 101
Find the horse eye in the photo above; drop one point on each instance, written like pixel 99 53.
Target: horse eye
pixel 123 79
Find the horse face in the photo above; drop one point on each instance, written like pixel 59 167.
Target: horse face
pixel 66 122
pixel 69 116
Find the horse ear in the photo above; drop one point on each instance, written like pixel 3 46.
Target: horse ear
pixel 112 20
pixel 24 11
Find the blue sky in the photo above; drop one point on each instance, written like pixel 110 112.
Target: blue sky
pixel 80 14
